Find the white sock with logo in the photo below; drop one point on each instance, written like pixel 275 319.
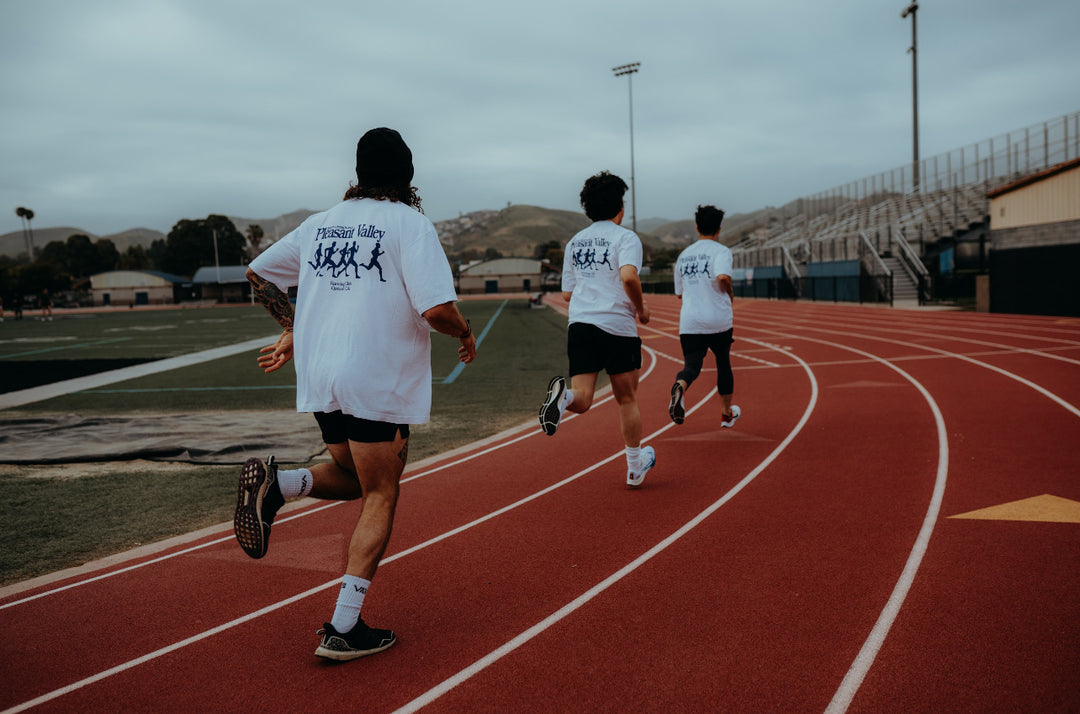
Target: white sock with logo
pixel 567 399
pixel 633 458
pixel 350 600
pixel 296 482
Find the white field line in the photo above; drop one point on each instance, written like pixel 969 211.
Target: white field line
pixel 495 655
pixel 69 386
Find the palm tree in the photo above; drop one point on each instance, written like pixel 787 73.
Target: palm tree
pixel 29 217
pixel 255 237
pixel 22 212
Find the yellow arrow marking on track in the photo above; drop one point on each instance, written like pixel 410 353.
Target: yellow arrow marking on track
pixel 1045 508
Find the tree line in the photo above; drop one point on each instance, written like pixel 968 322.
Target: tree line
pixel 61 267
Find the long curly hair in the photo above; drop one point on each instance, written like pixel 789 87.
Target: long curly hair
pixel 398 194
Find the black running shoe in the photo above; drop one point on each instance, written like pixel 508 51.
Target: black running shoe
pixel 675 409
pixel 257 502
pixel 360 641
pixel 551 409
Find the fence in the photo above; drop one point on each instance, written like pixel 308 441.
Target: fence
pixel 938 197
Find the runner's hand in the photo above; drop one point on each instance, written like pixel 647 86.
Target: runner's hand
pixel 467 351
pixel 273 357
pixel 644 315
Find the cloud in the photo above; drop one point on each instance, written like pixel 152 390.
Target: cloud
pixel 128 113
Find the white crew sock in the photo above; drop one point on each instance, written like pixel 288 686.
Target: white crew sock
pixel 296 482
pixel 350 600
pixel 567 400
pixel 633 458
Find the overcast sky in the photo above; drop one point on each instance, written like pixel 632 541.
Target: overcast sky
pixel 137 113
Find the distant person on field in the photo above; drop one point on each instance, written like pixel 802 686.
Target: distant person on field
pixel 706 320
pixel 46 306
pixel 605 299
pixel 363 366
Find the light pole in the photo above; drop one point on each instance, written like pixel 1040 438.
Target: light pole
pixel 629 70
pixel 910 10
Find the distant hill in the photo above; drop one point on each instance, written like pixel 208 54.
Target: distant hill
pixel 513 231
pixel 13 244
pixel 273 228
pixel 133 236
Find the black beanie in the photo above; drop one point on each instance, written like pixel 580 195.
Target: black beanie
pixel 383 159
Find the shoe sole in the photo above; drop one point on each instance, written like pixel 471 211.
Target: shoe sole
pixel 675 408
pixel 347 655
pixel 550 413
pixel 248 527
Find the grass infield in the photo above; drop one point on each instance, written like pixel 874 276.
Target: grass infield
pixel 54 517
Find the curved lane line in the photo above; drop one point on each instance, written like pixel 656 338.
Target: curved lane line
pixel 308 512
pixel 1011 375
pixel 326 585
pixel 495 655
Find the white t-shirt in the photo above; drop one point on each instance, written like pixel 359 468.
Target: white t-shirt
pixel 591 265
pixel 366 270
pixel 706 309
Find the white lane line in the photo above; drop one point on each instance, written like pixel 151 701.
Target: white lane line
pixel 948 335
pixel 993 368
pixel 68 386
pixel 308 512
pixel 495 655
pixel 336 582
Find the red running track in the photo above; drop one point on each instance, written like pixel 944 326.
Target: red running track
pixel 810 559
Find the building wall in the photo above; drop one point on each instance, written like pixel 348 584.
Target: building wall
pixel 1046 234
pixel 1054 199
pixel 125 296
pixel 471 284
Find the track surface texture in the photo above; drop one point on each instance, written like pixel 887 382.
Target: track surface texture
pixel 892 525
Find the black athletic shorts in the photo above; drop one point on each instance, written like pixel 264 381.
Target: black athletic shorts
pixel 337 428
pixel 590 350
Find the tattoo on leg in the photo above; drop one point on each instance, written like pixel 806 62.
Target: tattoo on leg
pixel 404 453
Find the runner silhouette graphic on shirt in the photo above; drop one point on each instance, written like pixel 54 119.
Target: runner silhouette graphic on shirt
pixel 605 261
pixel 348 257
pixel 375 253
pixel 323 260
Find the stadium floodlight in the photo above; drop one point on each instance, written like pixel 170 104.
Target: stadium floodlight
pixel 629 70
pixel 910 10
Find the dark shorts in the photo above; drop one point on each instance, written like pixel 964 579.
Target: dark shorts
pixel 590 350
pixel 337 428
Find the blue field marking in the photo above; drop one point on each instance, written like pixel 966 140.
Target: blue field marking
pixel 65 347
pixel 461 365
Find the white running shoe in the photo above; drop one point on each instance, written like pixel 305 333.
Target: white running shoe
pixel 729 421
pixel 648 460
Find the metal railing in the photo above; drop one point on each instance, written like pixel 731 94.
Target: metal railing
pixel 949 196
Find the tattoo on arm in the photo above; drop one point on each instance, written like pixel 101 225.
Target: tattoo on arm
pixel 276 302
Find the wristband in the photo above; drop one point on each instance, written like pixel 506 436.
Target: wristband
pixel 468 331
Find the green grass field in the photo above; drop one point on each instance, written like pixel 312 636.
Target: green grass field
pixel 60 516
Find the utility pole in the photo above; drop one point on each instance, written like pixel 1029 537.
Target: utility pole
pixel 629 70
pixel 910 10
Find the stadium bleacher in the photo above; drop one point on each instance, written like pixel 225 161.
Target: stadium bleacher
pixel 895 225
